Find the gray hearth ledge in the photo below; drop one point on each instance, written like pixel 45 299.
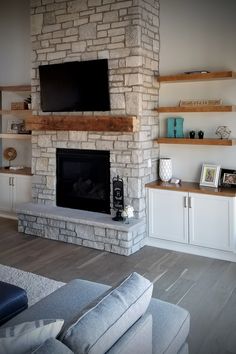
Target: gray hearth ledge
pixel 81 227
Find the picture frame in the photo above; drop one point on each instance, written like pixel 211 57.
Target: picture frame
pixel 197 103
pixel 210 175
pixel 14 126
pixel 227 178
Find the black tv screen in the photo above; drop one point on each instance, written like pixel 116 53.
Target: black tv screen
pixel 75 86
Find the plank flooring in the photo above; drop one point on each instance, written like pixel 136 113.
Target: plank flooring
pixel 205 287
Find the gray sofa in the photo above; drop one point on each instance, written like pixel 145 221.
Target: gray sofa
pixel 162 329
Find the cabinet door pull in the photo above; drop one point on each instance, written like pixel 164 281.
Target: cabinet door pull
pixel 189 202
pixel 10 181
pixel 13 182
pixel 185 202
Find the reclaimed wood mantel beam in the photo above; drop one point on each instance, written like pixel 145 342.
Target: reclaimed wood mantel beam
pixel 82 123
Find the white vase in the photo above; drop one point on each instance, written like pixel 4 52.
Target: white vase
pixel 165 169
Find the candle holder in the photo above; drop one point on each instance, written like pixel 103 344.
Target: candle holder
pixel 165 169
pixel 201 134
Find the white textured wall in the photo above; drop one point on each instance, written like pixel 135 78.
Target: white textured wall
pixel 198 35
pixel 15 52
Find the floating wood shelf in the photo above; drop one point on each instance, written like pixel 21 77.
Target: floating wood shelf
pixel 23 171
pixel 15 88
pixel 217 75
pixel 205 108
pixel 16 136
pixel 16 112
pixel 219 142
pixel 82 123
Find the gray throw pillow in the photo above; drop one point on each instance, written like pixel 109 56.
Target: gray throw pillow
pixel 105 321
pixel 26 337
pixel 137 340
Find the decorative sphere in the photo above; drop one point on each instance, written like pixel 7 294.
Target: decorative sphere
pixel 223 132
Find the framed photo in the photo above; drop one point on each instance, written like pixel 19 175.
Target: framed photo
pixel 210 175
pixel 13 126
pixel 227 178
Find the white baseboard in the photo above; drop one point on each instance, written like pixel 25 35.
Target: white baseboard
pixel 191 249
pixel 8 215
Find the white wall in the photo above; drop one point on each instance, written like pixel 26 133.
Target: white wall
pixel 198 35
pixel 15 66
pixel 15 52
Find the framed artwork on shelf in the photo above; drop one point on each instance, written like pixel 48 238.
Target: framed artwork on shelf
pixel 210 175
pixel 13 126
pixel 227 178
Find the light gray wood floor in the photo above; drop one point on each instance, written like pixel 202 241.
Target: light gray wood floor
pixel 205 287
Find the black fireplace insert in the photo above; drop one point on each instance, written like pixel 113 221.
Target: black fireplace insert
pixel 83 179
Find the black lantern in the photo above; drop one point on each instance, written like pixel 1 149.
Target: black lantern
pixel 118 197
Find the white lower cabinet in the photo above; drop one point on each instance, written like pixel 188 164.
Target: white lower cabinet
pixel 5 193
pixel 211 221
pixel 14 189
pixel 192 218
pixel 168 219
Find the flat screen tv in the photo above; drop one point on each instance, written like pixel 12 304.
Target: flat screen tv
pixel 75 86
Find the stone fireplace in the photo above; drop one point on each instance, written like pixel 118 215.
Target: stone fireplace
pixel 127 34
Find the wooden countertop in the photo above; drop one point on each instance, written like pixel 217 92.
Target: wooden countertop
pixel 192 187
pixel 26 171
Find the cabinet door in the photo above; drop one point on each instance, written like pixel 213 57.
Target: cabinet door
pixel 22 190
pixel 168 215
pixel 210 223
pixel 5 192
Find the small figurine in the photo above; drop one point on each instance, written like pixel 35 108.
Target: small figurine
pixel 200 134
pixel 28 101
pixel 223 132
pixel 127 213
pixel 192 134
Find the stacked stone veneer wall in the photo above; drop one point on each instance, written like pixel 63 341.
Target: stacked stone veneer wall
pixel 127 34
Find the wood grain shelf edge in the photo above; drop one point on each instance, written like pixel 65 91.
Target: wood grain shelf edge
pixel 216 75
pixel 15 136
pixel 26 171
pixel 205 141
pixel 206 108
pixel 18 112
pixel 15 88
pixel 192 187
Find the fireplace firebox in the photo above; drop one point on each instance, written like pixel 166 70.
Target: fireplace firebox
pixel 83 179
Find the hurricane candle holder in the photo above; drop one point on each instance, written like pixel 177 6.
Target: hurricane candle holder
pixel 165 169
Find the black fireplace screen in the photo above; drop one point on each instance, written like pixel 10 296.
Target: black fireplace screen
pixel 83 179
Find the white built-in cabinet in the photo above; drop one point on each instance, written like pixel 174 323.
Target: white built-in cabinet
pixel 14 189
pixel 168 218
pixel 192 221
pixel 210 220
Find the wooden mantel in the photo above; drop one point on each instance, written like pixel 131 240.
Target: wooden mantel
pixel 103 123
